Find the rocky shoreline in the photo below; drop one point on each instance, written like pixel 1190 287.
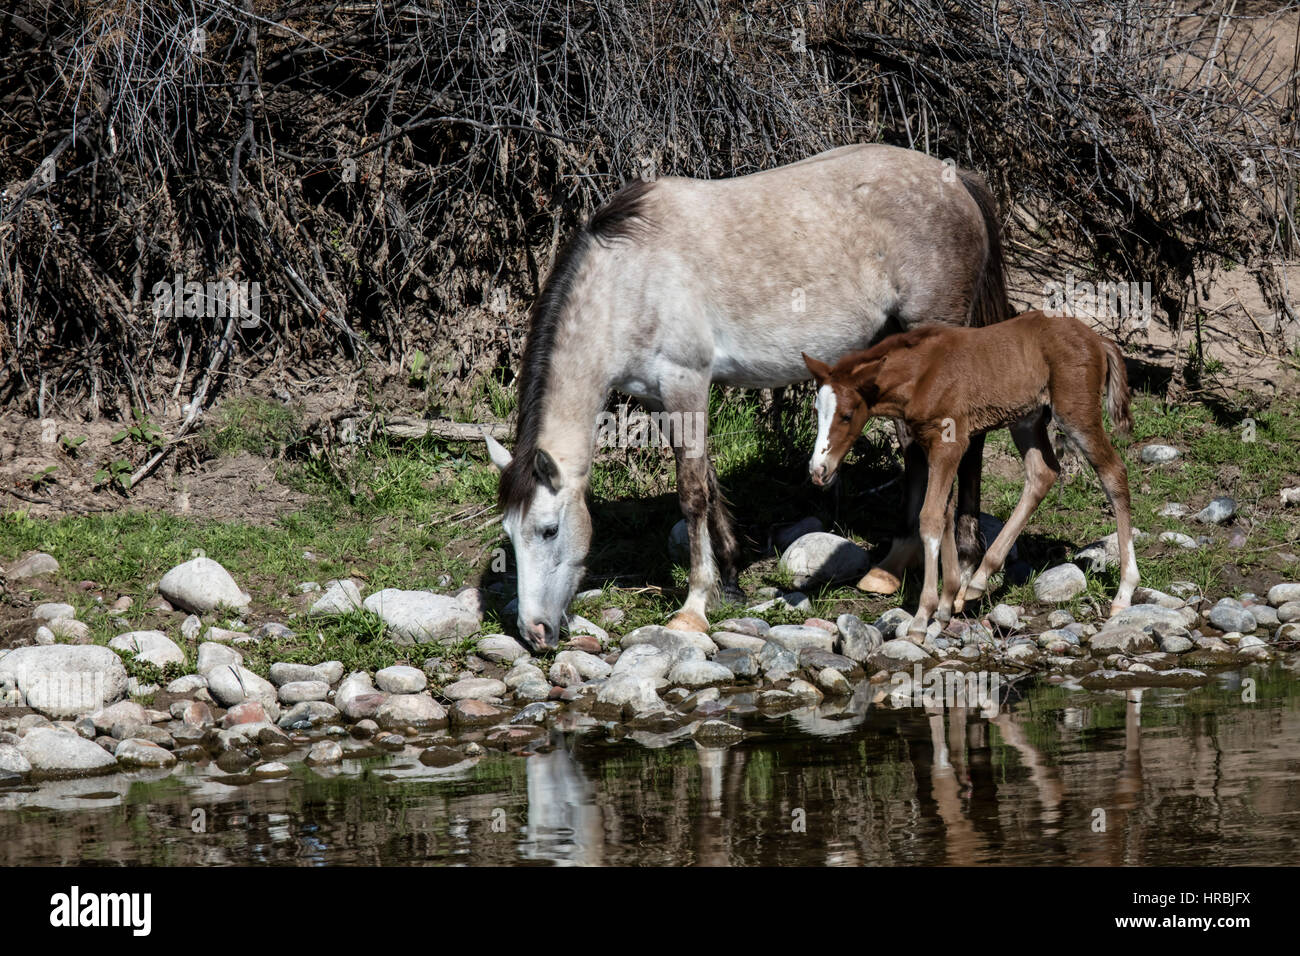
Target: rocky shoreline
pixel 77 716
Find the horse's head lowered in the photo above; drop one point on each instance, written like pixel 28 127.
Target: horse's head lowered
pixel 842 412
pixel 548 523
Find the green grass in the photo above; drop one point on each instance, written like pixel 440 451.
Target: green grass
pixel 422 515
pixel 251 424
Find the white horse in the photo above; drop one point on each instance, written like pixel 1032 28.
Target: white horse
pixel 680 283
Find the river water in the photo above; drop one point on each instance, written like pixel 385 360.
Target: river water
pixel 1204 776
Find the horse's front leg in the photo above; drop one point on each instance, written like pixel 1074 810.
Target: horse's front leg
pixel 943 459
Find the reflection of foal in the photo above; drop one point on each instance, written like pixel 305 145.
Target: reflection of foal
pixel 949 384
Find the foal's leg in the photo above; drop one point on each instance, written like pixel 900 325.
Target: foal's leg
pixel 1041 469
pixel 1090 435
pixel 954 575
pixel 943 460
pixel 905 549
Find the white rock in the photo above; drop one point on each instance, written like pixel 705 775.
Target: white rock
pixel 501 648
pixel 63 680
pixel 401 679
pixel 152 646
pixel 201 585
pixel 302 691
pixel 340 597
pixel 821 557
pixel 232 684
pixel 57 751
pixel 212 655
pixel 52 612
pixel 589 666
pixel 631 691
pixel 475 688
pixel 422 616
pixel 1059 584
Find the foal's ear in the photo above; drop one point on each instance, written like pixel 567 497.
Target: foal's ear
pixel 820 370
pixel 547 471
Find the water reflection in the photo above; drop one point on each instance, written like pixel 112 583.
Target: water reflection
pixel 1059 776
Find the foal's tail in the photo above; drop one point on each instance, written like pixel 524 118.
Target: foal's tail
pixel 991 303
pixel 1117 390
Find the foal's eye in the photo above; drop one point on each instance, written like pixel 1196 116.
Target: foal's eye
pixel 846 419
pixel 551 532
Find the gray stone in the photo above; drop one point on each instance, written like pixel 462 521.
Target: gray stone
pixel 795 637
pixel 631 693
pixel 1217 511
pixel 671 642
pixel 833 682
pixel 287 672
pixel 741 661
pixel 1004 616
pixel 201 585
pixel 232 684
pixel 302 691
pixel 12 760
pixel 61 681
pixel 213 655
pixel 1179 539
pixel 152 646
pixel 500 648
pixel 822 558
pixel 1156 454
pixel 1061 583
pixel 61 752
pixel 588 666
pixel 729 641
pixel 475 688
pixel 422 616
pixel 138 752
pixel 410 710
pixel 1120 639
pixel 718 733
pixel 1229 615
pixel 1284 593
pixel 401 679
pixel 898 652
pixel 778 662
pixel 356 698
pixel 52 612
pixel 312 713
pixel 1103 554
pixel 858 641
pixel 189 684
pixel 325 752
pixel 694 674
pixel 753 626
pixel 340 597
pixel 35 565
pixel 643 660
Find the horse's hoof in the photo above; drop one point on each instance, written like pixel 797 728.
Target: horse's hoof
pixel 879 581
pixel 943 616
pixel 732 594
pixel 688 621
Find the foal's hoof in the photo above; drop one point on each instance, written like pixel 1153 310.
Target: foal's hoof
pixel 688 621
pixel 879 581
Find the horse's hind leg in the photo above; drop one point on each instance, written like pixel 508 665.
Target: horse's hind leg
pixel 695 491
pixel 723 536
pixel 1090 436
pixel 905 549
pixel 1041 469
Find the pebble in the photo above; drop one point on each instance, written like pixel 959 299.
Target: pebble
pixel 1157 454
pixel 401 679
pixel 1217 511
pixel 1061 583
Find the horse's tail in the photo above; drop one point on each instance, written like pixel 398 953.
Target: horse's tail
pixel 1117 390
pixel 991 304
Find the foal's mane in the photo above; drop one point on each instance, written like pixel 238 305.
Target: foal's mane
pixel 898 342
pixel 623 216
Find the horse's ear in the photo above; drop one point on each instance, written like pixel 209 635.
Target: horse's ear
pixel 820 370
pixel 497 452
pixel 547 471
pixel 862 373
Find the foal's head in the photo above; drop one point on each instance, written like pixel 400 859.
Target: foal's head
pixel 842 412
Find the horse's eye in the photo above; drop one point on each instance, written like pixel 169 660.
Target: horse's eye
pixel 551 532
pixel 846 419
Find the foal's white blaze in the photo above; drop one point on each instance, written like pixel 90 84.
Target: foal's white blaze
pixel 825 415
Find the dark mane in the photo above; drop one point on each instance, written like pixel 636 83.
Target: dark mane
pixel 623 216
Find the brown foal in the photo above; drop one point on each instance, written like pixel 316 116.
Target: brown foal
pixel 950 384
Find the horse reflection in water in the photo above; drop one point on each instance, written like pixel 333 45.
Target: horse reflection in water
pixel 564 821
